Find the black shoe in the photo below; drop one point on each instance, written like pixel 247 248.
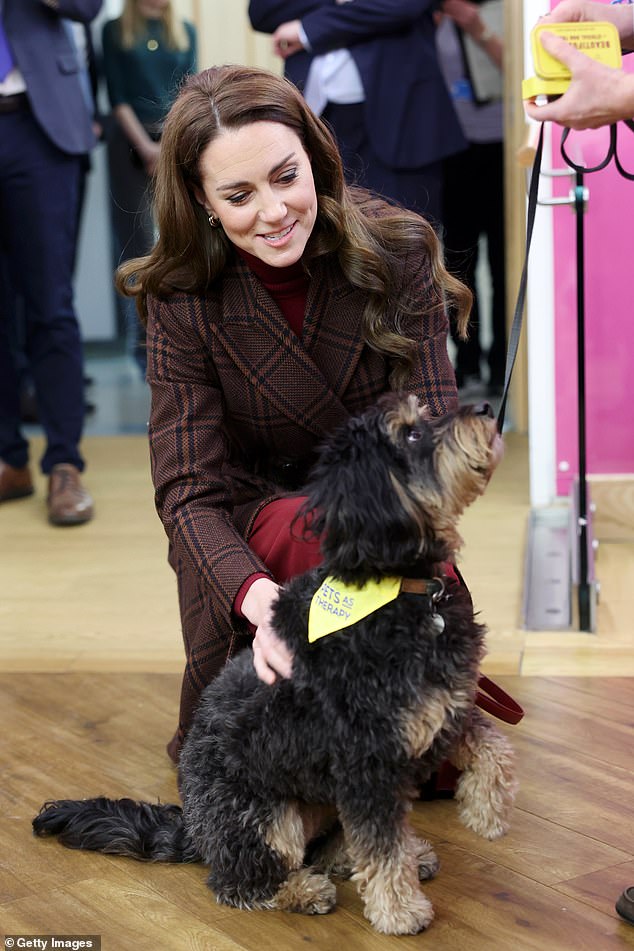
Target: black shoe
pixel 625 905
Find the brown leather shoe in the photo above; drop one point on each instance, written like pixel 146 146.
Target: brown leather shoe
pixel 14 483
pixel 68 501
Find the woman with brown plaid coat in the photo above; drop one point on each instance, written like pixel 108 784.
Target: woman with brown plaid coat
pixel 278 301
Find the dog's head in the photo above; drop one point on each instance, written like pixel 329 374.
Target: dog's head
pixel 390 485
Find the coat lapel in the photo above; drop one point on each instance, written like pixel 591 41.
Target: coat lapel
pixel 332 327
pixel 303 379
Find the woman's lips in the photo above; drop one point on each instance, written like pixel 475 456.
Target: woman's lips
pixel 276 236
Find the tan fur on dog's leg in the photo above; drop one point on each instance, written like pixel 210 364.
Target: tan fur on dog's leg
pixel 389 886
pixel 305 891
pixel 487 787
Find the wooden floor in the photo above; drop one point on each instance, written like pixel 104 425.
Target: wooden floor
pixel 550 885
pixel 90 654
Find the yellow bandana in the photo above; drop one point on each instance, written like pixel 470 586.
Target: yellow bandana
pixel 336 605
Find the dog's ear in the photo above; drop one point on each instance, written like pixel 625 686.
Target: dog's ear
pixel 359 505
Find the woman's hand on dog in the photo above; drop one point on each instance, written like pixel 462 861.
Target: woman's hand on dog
pixel 271 656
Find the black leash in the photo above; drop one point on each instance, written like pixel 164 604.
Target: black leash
pixel 516 326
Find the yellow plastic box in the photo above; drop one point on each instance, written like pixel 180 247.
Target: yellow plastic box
pixel 599 41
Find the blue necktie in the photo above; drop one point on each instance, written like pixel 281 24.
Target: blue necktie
pixel 6 59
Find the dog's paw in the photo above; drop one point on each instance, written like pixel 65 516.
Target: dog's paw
pixel 486 808
pixel 307 893
pixel 428 861
pixel 405 919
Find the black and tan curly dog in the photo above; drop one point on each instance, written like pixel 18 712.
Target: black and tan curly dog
pixel 283 785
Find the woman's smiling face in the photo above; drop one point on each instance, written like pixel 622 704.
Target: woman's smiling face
pixel 258 180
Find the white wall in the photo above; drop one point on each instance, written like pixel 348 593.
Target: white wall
pixel 94 291
pixel 540 319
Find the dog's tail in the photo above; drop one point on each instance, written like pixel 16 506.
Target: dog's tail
pixel 140 830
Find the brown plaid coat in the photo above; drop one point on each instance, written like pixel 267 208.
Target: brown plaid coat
pixel 234 390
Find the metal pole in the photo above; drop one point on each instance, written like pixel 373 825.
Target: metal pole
pixel 584 595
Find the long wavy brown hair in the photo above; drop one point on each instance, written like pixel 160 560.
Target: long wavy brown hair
pixel 368 237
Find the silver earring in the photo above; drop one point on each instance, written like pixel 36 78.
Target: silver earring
pixel 213 221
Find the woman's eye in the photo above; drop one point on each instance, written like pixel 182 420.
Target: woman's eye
pixel 238 199
pixel 413 434
pixel 288 177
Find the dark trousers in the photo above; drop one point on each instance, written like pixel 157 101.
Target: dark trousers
pixel 419 189
pixel 473 205
pixel 39 194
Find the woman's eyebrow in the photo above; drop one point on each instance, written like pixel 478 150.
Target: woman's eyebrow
pixel 276 168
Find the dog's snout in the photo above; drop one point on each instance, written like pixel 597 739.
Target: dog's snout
pixel 483 409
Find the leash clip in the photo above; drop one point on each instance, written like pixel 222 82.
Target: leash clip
pixel 435 596
pixel 439 589
pixel 433 590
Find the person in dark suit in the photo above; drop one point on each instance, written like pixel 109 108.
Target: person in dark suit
pixel 278 302
pixel 45 134
pixel 370 69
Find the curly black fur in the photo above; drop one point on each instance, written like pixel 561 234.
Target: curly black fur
pixel 369 712
pixel 120 827
pixel 365 531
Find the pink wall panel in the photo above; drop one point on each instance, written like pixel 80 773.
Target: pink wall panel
pixel 609 286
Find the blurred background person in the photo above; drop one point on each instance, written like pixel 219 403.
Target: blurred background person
pixel 473 190
pixel 370 69
pixel 147 52
pixel 45 134
pixel 80 34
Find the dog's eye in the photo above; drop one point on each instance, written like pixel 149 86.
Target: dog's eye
pixel 414 434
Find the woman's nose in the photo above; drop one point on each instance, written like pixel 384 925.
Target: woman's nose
pixel 272 208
